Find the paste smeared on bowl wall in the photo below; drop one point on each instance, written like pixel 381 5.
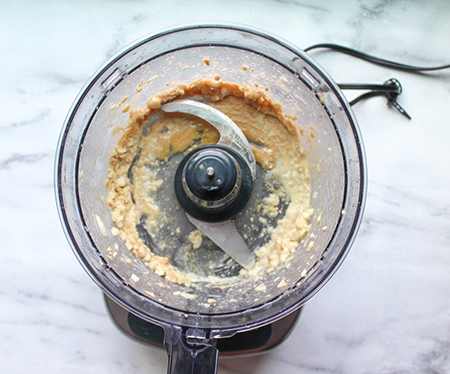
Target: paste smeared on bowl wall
pixel 149 219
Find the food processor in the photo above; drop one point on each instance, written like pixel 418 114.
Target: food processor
pixel 242 315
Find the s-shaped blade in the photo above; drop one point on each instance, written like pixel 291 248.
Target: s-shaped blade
pixel 223 234
pixel 226 237
pixel 230 134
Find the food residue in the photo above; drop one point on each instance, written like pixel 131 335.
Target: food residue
pixel 276 147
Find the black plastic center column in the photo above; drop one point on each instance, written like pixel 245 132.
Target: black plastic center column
pixel 211 174
pixel 213 183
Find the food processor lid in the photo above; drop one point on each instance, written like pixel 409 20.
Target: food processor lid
pixel 113 74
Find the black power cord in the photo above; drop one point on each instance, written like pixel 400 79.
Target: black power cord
pixel 391 89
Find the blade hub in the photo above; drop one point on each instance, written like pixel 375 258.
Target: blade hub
pixel 212 174
pixel 213 183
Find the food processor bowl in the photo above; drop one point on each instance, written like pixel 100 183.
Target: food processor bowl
pixel 327 130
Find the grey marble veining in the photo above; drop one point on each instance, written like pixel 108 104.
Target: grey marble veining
pixel 387 310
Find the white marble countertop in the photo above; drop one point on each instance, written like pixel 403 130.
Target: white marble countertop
pixel 387 310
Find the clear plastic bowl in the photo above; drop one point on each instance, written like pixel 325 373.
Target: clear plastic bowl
pixel 338 180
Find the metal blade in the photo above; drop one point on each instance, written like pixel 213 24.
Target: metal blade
pixel 226 237
pixel 230 134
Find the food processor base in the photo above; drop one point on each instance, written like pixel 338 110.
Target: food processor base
pixel 256 341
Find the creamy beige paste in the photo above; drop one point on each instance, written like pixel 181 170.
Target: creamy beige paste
pixel 275 144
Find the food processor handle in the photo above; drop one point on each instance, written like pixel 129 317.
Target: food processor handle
pixel 198 355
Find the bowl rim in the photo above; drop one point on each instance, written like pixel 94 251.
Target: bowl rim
pixel 222 329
